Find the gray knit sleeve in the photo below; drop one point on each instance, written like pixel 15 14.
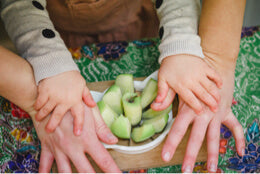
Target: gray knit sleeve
pixel 30 28
pixel 178 27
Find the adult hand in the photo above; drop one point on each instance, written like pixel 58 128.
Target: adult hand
pixel 208 123
pixel 63 146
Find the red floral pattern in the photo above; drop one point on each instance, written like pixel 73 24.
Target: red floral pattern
pixel 18 112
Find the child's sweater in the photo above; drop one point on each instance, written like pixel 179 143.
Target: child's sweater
pixel 30 28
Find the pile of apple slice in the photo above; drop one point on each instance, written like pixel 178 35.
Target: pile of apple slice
pixel 128 114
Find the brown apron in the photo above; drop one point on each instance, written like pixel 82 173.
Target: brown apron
pixel 82 22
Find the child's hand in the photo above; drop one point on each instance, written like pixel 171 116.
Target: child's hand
pixel 192 79
pixel 60 93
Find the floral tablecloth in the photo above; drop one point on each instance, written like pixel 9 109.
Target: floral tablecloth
pixel 20 147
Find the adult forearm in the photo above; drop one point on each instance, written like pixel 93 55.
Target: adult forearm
pixel 220 30
pixel 17 82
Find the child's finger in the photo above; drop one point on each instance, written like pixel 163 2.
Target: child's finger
pixel 213 75
pixel 233 124
pixel 103 132
pixel 211 88
pixel 213 135
pixel 87 98
pixel 166 102
pixel 191 100
pixel 41 101
pixel 56 118
pixel 202 94
pixel 162 90
pixel 45 110
pixel 77 112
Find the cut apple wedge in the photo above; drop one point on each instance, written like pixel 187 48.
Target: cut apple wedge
pixel 132 107
pixel 121 127
pixel 112 98
pixel 125 82
pixel 152 113
pixel 107 113
pixel 149 93
pixel 158 122
pixel 142 133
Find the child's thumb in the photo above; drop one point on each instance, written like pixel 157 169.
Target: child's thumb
pixel 163 89
pixel 87 98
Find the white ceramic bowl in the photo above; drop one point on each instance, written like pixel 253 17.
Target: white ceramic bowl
pixel 139 86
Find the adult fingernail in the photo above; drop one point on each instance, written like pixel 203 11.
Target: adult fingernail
pixel 167 156
pixel 242 151
pixel 111 137
pixel 213 167
pixel 187 169
pixel 156 104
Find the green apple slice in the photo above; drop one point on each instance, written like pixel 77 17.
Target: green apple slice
pixel 112 98
pixel 158 122
pixel 149 93
pixel 132 107
pixel 107 113
pixel 150 113
pixel 121 127
pixel 125 82
pixel 142 133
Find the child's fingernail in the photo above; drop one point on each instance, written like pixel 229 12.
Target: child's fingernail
pixel 78 132
pixel 166 156
pixel 187 169
pixel 213 167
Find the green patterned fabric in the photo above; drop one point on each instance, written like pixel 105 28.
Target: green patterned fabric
pixel 20 147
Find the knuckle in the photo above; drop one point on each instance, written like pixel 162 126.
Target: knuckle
pixel 179 133
pixel 45 110
pixel 105 163
pixel 197 139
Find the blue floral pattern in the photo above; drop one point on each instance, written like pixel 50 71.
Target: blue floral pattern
pixel 249 31
pixel 24 163
pixel 111 50
pixel 250 162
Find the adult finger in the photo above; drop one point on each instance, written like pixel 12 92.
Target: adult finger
pixel 46 160
pixel 194 143
pixel 87 98
pixel 166 102
pixel 62 162
pixel 233 124
pixel 56 118
pixel 191 100
pixel 45 110
pixel 213 75
pixel 103 158
pixel 211 88
pixel 178 130
pixel 103 132
pixel 202 94
pixel 81 162
pixel 162 90
pixel 40 101
pixel 77 111
pixel 213 135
